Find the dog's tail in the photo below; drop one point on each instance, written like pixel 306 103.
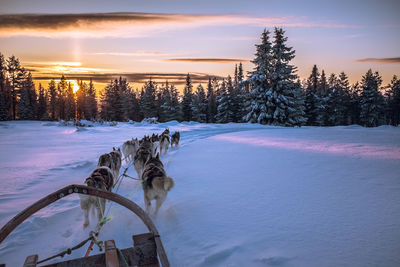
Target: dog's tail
pixel 168 183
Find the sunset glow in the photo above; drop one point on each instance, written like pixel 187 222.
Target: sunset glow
pixel 137 39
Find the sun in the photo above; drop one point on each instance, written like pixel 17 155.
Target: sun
pixel 75 87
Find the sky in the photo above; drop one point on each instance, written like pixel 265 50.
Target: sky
pixel 166 40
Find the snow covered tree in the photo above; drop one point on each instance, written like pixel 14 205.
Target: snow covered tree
pixel 257 110
pixel 354 104
pixel 147 103
pixel 372 101
pixel 133 107
pixel 211 101
pixel 165 103
pixel 223 111
pixel 112 104
pixel 187 100
pixel 282 103
pixel 393 101
pixel 312 98
pixel 199 105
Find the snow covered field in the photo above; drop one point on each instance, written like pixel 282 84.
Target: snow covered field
pixel 244 195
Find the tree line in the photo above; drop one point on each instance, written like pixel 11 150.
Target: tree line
pixel 271 93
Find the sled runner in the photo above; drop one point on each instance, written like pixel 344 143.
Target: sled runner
pixel 147 249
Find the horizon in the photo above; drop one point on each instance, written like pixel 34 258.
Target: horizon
pixel 139 40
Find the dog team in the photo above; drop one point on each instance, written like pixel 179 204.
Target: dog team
pixel 145 154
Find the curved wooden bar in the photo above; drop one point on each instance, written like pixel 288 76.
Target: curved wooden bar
pixel 85 190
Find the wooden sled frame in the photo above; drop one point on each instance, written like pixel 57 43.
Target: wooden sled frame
pixel 85 190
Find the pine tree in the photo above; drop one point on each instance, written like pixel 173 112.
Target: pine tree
pixel 240 73
pixel 42 105
pixel 147 103
pixel 52 90
pixel 27 104
pixel 312 99
pixel 283 105
pixel 91 102
pixel 371 102
pixel 61 97
pixel 211 102
pixel 4 114
pixel 176 112
pixel 187 100
pixel 70 105
pixel 260 79
pixel 16 78
pixel 355 109
pixel 223 105
pixel 199 105
pixel 3 108
pixel 81 101
pixel 393 101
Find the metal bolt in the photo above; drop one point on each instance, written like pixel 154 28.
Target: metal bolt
pixel 70 191
pixel 76 190
pixel 61 195
pixel 84 191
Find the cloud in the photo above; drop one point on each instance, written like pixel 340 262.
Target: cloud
pixel 130 54
pixel 393 60
pixel 137 77
pixel 207 60
pixel 98 25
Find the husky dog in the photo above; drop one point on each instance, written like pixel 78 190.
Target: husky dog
pixel 175 139
pixel 141 156
pixel 111 160
pixel 101 178
pixel 155 139
pixel 164 143
pixel 166 131
pixel 156 183
pixel 116 157
pixel 129 149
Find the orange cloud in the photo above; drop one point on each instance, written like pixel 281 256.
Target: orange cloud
pixel 393 60
pixel 207 60
pixel 132 24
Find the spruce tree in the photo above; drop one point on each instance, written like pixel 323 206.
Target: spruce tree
pixel 260 80
pixel 91 102
pixel 282 103
pixel 393 102
pixel 52 90
pixel 27 104
pixel 211 102
pixel 42 113
pixel 147 103
pixel 199 105
pixel 312 99
pixel 223 105
pixel 70 105
pixel 16 77
pixel 371 102
pixel 4 108
pixel 187 100
pixel 81 101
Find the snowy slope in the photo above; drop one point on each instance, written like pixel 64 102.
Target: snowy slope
pixel 244 195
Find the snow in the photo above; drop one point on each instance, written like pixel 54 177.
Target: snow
pixel 244 195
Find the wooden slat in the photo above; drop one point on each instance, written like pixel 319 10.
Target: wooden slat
pixel 31 261
pixel 23 215
pixel 146 241
pixel 111 254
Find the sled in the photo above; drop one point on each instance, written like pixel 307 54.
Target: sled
pixel 147 248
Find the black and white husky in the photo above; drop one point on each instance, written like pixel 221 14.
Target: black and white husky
pixel 101 178
pixel 156 183
pixel 164 143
